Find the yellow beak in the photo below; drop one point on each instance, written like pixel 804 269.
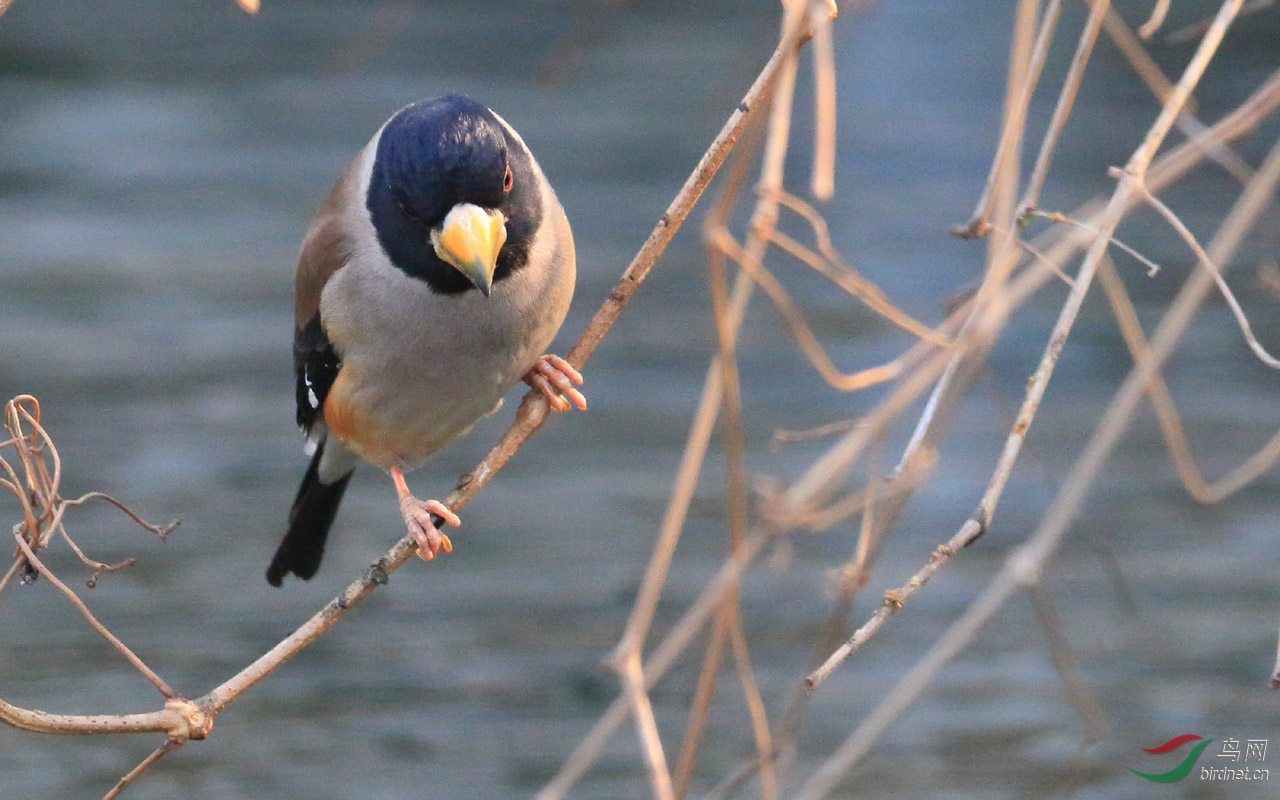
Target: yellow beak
pixel 469 240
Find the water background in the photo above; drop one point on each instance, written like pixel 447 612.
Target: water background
pixel 158 166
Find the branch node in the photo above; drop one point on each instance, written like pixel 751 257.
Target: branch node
pixel 982 518
pixel 378 573
pixel 894 598
pixel 974 229
pixel 190 720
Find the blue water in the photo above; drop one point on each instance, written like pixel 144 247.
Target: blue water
pixel 157 170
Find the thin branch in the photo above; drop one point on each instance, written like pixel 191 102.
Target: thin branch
pixel 1275 671
pixel 788 435
pixel 1059 244
pixel 1203 259
pixel 1139 59
pixel 1066 100
pixel 1166 412
pixel 632 673
pixel 664 656
pixel 168 747
pixel 823 181
pixel 809 344
pixel 756 711
pixel 728 318
pixel 853 283
pixel 1066 664
pixel 138 663
pixel 1023 566
pixel 1152 267
pixel 782 66
pixel 1158 13
pixel 820 476
pixel 1017 103
pixel 1197 29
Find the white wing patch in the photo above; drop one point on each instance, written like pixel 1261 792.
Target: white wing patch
pixel 311 393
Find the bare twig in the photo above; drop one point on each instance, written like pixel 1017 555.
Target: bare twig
pixel 1158 13
pixel 823 182
pixel 728 319
pixel 1152 267
pixel 1198 28
pixel 1170 422
pixel 1058 244
pixel 632 674
pixel 1067 665
pixel 1024 565
pixel 827 262
pixel 1015 111
pixel 168 747
pixel 1066 100
pixel 1207 263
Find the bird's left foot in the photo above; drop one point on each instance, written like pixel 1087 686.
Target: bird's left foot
pixel 417 517
pixel 555 378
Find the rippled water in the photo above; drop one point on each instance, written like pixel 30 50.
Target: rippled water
pixel 157 170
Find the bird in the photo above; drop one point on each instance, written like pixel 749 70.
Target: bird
pixel 431 280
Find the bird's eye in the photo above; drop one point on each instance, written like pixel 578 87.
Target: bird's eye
pixel 409 212
pixel 507 180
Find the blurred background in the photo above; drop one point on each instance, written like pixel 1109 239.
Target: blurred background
pixel 159 164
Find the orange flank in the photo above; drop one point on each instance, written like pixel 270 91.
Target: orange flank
pixel 339 416
pixel 359 431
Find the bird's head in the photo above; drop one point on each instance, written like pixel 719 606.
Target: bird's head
pixel 454 195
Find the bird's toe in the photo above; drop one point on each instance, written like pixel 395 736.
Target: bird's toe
pixel 555 378
pixel 422 526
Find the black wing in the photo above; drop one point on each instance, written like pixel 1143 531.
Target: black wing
pixel 316 366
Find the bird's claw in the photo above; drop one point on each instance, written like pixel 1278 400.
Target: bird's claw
pixel 555 378
pixel 417 517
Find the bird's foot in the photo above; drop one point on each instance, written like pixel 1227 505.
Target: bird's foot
pixel 417 517
pixel 555 378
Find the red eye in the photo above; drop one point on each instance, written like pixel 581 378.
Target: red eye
pixel 507 179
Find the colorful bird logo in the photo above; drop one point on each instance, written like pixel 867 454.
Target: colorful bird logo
pixel 1179 772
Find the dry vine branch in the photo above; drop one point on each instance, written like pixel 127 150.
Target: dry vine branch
pixel 1162 171
pixel 627 654
pixel 1066 99
pixel 1168 168
pixel 723 369
pixel 1024 565
pixel 1203 259
pixel 1170 422
pixel 1015 113
pixel 1058 244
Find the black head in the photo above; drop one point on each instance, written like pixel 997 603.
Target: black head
pixel 434 155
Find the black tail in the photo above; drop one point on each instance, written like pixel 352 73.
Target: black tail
pixel 309 520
